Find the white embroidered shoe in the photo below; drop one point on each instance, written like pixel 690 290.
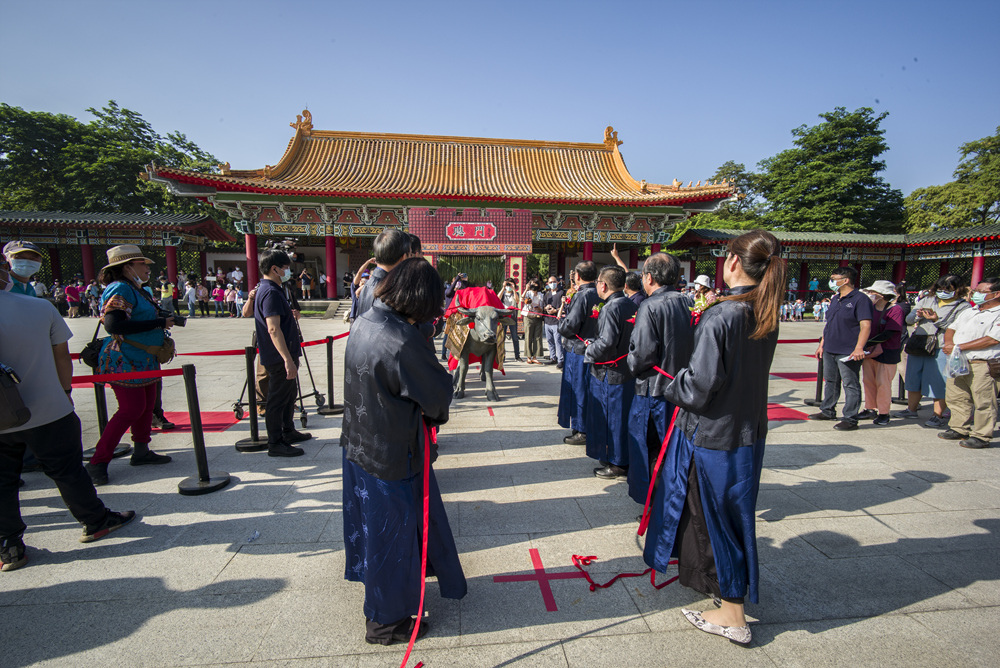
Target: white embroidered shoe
pixel 737 634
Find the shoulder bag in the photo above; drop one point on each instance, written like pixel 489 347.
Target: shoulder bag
pixel 922 344
pixel 13 412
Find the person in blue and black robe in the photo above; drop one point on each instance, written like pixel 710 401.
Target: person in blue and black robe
pixel 394 391
pixel 611 385
pixel 703 508
pixel 579 325
pixel 662 337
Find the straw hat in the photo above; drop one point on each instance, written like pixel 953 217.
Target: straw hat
pixel 124 253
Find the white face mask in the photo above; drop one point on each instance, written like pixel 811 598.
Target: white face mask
pixel 287 275
pixel 25 268
pixel 946 295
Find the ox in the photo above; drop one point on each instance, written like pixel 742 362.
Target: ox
pixel 481 340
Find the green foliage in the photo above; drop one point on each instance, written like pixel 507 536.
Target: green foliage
pixel 973 198
pixel 831 180
pixel 54 162
pixel 744 213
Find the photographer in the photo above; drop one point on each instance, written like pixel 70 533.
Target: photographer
pixel 138 333
pixel 278 341
pixel 508 295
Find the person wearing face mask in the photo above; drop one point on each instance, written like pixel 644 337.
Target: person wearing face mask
pixel 879 368
pixel 552 299
pixel 973 397
pixel 133 320
pixel 925 358
pixel 25 259
pixel 842 348
pixel 278 342
pixel 508 295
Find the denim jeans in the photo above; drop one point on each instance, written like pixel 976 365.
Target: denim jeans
pixel 554 341
pixel 835 374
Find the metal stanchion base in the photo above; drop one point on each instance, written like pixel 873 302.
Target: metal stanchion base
pixel 194 486
pixel 811 402
pixel 333 409
pixel 250 445
pixel 121 450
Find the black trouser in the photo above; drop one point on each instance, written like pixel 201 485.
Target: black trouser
pixel 512 333
pixel 280 407
pixel 58 446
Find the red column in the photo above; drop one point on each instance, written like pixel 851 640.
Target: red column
pixel 253 272
pixel 803 280
pixel 331 266
pixel 655 248
pixel 203 263
pixel 588 250
pixel 54 260
pixel 633 258
pixel 87 255
pixel 899 272
pixel 978 267
pixel 719 263
pixel 945 266
pixel 861 280
pixel 844 262
pixel 171 252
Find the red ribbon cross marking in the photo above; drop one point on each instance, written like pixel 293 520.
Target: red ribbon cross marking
pixel 542 578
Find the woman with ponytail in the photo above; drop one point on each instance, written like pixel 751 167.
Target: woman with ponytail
pixel 703 508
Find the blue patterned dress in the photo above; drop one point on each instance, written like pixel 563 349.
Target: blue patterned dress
pixel 118 356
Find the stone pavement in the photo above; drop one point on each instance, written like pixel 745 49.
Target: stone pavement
pixel 878 547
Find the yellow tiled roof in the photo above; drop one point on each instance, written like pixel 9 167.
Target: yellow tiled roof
pixel 437 167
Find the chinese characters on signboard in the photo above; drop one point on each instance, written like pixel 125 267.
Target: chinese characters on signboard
pixel 471 231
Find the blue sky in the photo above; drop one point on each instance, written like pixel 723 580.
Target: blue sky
pixel 688 85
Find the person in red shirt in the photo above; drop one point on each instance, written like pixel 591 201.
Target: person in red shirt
pixel 218 297
pixel 73 298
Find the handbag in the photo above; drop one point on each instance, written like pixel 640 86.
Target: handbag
pixel 922 344
pixel 163 353
pixel 13 412
pixel 91 353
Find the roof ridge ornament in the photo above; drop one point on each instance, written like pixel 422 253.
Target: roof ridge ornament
pixel 611 138
pixel 303 122
pixel 225 169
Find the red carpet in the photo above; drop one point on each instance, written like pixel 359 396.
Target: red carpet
pixel 800 376
pixel 211 421
pixel 779 413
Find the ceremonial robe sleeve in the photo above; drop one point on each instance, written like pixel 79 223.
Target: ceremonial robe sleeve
pixel 571 325
pixel 644 346
pixel 609 330
pixel 694 387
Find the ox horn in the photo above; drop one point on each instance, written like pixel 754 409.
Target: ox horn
pixel 467 311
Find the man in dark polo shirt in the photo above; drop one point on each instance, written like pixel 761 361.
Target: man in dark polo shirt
pixel 278 341
pixel 848 325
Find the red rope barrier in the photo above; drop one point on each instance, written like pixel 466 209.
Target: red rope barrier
pixel 135 375
pixel 580 562
pixel 340 336
pixel 429 438
pixel 614 361
pixel 799 340
pixel 213 353
pixel 305 344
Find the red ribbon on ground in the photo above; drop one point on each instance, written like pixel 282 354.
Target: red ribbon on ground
pixel 580 562
pixel 429 438
pixel 134 375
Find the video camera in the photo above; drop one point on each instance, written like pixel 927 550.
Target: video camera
pixel 179 320
pixel 285 245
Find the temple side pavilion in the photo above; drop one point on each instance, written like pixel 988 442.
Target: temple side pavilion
pixel 463 196
pixel 919 259
pixel 76 242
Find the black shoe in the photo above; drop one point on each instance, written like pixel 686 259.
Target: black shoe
pixel 163 423
pixel 295 436
pixel 386 634
pixel 952 435
pixel 98 474
pixel 578 438
pixel 559 365
pixel 974 443
pixel 12 554
pixel 112 522
pixel 866 414
pixel 284 450
pixel 881 420
pixel 846 425
pixel 610 471
pixel 518 359
pixel 148 459
pixel 822 415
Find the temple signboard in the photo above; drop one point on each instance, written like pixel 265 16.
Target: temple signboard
pixel 471 231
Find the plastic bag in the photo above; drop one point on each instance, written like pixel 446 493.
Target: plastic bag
pixel 958 364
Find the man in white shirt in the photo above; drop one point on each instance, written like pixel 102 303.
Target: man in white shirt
pixel 40 289
pixel 972 398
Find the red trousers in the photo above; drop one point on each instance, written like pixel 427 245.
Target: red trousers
pixel 135 411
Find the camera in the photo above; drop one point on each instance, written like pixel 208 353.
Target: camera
pixel 179 320
pixel 285 245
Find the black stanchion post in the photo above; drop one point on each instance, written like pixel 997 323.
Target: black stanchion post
pixel 331 407
pixel 254 443
pixel 205 482
pixel 101 400
pixel 900 392
pixel 819 385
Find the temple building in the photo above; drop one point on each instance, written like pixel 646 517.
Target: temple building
pixel 76 242
pixel 465 197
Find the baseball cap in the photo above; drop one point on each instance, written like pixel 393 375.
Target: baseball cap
pixel 14 247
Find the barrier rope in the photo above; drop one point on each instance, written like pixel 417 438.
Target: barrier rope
pixel 580 562
pixel 614 361
pixel 223 353
pixel 429 438
pixel 134 375
pixel 799 340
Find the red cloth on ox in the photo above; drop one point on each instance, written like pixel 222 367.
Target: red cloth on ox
pixel 472 298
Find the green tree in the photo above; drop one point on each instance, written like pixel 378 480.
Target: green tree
pixel 55 162
pixel 831 180
pixel 973 198
pixel 744 212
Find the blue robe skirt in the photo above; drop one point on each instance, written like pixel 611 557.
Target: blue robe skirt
pixel 383 522
pixel 728 482
pixel 644 408
pixel 573 393
pixel 606 418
